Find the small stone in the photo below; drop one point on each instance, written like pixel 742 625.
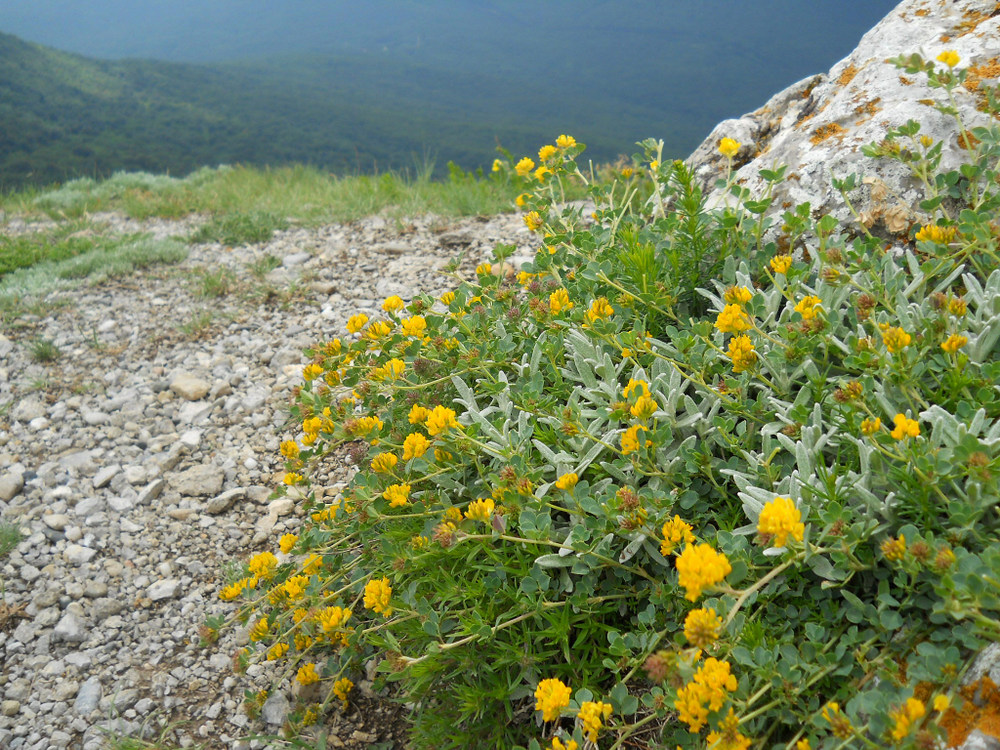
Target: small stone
pixel 194 413
pixel 38 423
pixel 282 506
pixel 70 629
pixel 191 438
pixel 165 589
pixel 30 573
pixel 275 709
pixel 10 485
pixel 94 418
pixel 56 521
pixel 28 409
pixel 135 474
pixel 121 504
pixel 223 502
pixel 78 555
pixel 295 259
pixel 104 608
pixel 151 491
pixel 105 475
pixel 977 740
pixel 88 696
pixel 10 708
pixel 189 387
pixel 198 481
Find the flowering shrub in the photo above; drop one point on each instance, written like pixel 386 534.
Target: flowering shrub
pixel 596 504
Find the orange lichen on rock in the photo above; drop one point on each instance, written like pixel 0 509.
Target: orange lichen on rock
pixel 868 108
pixel 980 710
pixel 905 81
pixel 972 18
pixel 848 75
pixel 988 70
pixel 823 132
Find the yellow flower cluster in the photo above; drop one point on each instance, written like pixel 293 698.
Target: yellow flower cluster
pixel 592 715
pixel 894 548
pixel 565 141
pixel 480 510
pixel 559 301
pixel 551 697
pixel 524 166
pixel 728 147
pixel 290 450
pixel 557 744
pixel 333 619
pixel 702 627
pixel 949 57
pixel 600 309
pixel 937 234
pixel 311 371
pixel 356 322
pixel 631 441
pixel 741 352
pixel 699 567
pixel 781 263
pixel 415 326
pixel 567 482
pixel 732 319
pixel 954 342
pixel 393 304
pixel 440 419
pixel 707 692
pixel 533 220
pixel 307 674
pixel 260 630
pixel 644 407
pixel 905 716
pixel 895 339
pixel 418 414
pixel 871 426
pixel 398 495
pixel 384 463
pixel 277 651
pixel 840 724
pixel 780 518
pixel 263 564
pixel 378 592
pixel 729 736
pixel 378 329
pixel 737 295
pixel 675 531
pixel 904 427
pixel 342 688
pixel 808 307
pixel 414 446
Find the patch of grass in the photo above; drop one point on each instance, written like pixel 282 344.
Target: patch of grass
pixel 264 266
pixel 109 258
pixel 240 228
pixel 25 250
pixel 10 537
pixel 44 350
pixel 197 325
pixel 218 283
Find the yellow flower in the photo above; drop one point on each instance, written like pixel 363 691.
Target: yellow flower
pixel 524 166
pixel 356 322
pixel 781 263
pixel 447 298
pixel 286 542
pixel 233 590
pixel 742 353
pixel 630 440
pixel 333 619
pixel 384 463
pixel 840 724
pixel 533 221
pixel 732 319
pixel 728 147
pixel 541 172
pixel 600 309
pixel 707 692
pixel 737 295
pixel 390 370
pixel 644 407
pixel 937 234
pixel 949 57
pixel 415 446
pixel 393 303
pixel 699 567
pixel 567 482
pixel 565 141
pixel 905 427
pixel 808 306
pixel 497 164
pixel 627 172
pixel 954 342
pixel 263 564
pixel 311 371
pixel 378 592
pixel 893 548
pixel 591 717
pixel 803 744
pixel 559 301
pixel 377 330
pixel 780 518
pixel 418 414
pixel 415 326
pixel 364 425
pixel 654 165
pixel 520 200
pixel 440 420
pixel 702 627
pixel 295 587
pixel 729 736
pixel 312 565
pixel 957 306
pixel 551 697
pixel 342 688
pixel 290 450
pixel 441 456
pixel 398 495
pixel 635 386
pixel 307 674
pixel 277 651
pixel 483 269
pixel 557 744
pixel 675 531
pixel 480 510
pixel 895 339
pixel 260 630
pixel 941 702
pixel 870 426
pixel 905 716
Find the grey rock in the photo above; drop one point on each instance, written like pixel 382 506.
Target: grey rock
pixel 151 491
pixel 189 387
pixel 94 418
pixel 986 664
pixel 275 709
pixel 198 481
pixel 223 502
pixel 980 741
pixel 10 707
pixel 295 259
pixel 70 628
pixel 27 409
pixel 105 474
pixel 194 413
pixel 77 554
pixel 56 521
pixel 165 589
pixel 103 608
pixel 11 484
pixel 88 697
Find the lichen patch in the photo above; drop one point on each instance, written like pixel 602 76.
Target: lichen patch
pixel 823 132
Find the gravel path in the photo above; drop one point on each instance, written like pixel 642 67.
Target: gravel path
pixel 142 458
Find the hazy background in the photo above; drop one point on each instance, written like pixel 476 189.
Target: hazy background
pixel 357 86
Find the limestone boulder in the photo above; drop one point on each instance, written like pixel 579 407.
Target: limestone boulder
pixel 818 126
